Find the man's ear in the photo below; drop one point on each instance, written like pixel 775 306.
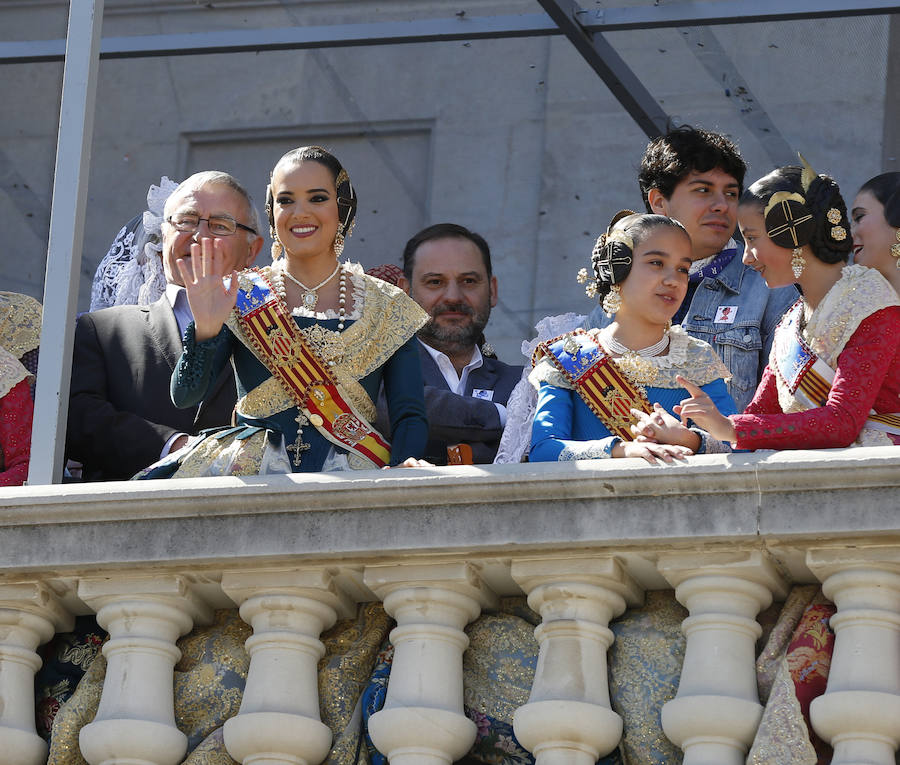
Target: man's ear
pixel 493 291
pixel 658 203
pixel 255 247
pixel 403 284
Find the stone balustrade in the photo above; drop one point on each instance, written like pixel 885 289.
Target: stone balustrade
pixel 583 541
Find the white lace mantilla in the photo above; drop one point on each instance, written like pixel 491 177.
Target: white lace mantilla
pixel 131 272
pixel 522 401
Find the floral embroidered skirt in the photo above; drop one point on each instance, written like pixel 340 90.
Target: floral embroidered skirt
pixel 644 667
pixel 236 450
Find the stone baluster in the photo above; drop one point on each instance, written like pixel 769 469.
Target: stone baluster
pixel 135 721
pixel 279 722
pixel 859 713
pixel 29 615
pixel 422 722
pixel 716 712
pixel 568 719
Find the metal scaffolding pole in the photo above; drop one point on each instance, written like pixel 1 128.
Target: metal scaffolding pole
pixel 70 181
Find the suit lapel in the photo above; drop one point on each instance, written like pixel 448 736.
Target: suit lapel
pixel 164 330
pixel 430 372
pixel 484 378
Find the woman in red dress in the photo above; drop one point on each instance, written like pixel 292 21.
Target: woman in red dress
pixel 833 377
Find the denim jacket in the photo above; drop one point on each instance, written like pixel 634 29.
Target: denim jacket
pixel 744 342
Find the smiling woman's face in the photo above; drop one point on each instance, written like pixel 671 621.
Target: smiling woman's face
pixel 305 209
pixel 872 235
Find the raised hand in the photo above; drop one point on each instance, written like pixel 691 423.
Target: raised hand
pixel 209 299
pixel 700 408
pixel 661 427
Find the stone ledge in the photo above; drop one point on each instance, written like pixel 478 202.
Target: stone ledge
pixel 762 499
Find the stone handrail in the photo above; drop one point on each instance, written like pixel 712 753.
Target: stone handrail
pixel 582 540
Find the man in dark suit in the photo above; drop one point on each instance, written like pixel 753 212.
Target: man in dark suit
pixel 447 271
pixel 121 417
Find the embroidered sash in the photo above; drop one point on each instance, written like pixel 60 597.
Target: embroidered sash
pixel 608 393
pixel 808 377
pixel 281 346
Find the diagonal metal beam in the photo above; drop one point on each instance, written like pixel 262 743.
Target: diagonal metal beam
pixel 609 65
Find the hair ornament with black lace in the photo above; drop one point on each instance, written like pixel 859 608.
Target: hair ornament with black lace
pixel 803 208
pixel 610 258
pixel 613 253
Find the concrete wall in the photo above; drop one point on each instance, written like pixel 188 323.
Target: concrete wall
pixel 517 139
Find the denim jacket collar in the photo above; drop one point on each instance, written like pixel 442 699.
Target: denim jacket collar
pixel 731 276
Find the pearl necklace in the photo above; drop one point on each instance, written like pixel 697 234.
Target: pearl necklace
pixel 310 296
pixel 278 284
pixel 635 364
pixel 614 346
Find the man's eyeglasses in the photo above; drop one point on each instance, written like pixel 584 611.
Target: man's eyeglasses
pixel 219 225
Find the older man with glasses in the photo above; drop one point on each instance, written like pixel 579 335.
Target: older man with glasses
pixel 121 417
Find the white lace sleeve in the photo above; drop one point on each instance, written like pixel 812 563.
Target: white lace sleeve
pixel 516 438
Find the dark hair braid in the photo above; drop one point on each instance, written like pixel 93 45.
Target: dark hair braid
pixel 830 242
pixel 612 258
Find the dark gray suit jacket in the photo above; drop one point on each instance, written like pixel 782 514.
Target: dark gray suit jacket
pixel 454 419
pixel 120 411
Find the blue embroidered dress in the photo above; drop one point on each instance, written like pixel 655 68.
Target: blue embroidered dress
pixel 375 347
pixel 565 428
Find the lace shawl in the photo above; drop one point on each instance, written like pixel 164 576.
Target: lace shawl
pixel 20 323
pixel 388 318
pixel 687 356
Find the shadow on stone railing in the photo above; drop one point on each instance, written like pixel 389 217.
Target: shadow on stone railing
pixel 584 541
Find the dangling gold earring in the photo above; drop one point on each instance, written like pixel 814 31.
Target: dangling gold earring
pixel 338 245
pixel 277 249
pixel 612 301
pixel 797 262
pixel 895 249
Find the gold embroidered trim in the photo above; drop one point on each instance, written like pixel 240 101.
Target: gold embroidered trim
pixel 266 399
pixel 20 323
pixel 12 372
pixel 688 357
pixel 390 316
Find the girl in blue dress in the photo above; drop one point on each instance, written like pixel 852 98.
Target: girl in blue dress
pixel 592 384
